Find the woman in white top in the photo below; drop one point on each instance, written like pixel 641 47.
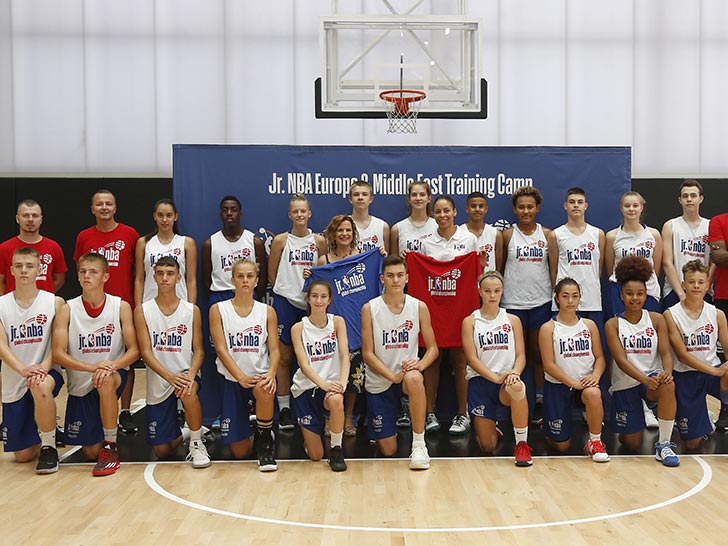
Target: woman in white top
pixel 493 345
pixel 573 362
pixel 165 240
pixel 642 363
pixel 633 237
pixel 408 234
pixel 322 351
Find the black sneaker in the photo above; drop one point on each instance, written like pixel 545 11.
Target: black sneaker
pixel 336 459
pixel 181 418
pixel 266 461
pixel 722 422
pixel 126 422
pixel 60 437
pixel 285 419
pixel 47 460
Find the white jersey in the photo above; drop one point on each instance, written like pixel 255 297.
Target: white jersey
pixel 298 254
pixel 92 339
pixel 371 236
pixel 640 345
pixel 171 338
pixel 572 350
pixel 155 249
pixel 223 254
pixel 641 244
pixel 395 338
pixel 410 236
pixel 246 339
pixel 699 335
pixel 485 243
pixel 688 244
pixel 579 257
pixel 527 280
pixel 495 343
pixel 322 349
pixel 439 248
pixel 29 337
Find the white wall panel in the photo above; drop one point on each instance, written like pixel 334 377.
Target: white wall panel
pixel 120 85
pixel 7 137
pixel 667 87
pixel 49 95
pixel 713 86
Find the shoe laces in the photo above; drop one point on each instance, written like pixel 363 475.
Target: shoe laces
pixel 106 455
pixel 597 446
pixel 522 448
pixel 460 420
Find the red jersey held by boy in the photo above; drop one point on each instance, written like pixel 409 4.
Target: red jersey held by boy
pixel 449 289
pixel 51 262
pixel 117 246
pixel 718 231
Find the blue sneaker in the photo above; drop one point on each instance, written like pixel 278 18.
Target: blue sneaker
pixel 665 454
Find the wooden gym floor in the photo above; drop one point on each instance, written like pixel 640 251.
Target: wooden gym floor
pixel 463 499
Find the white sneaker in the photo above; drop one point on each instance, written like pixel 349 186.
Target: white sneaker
pixel 419 458
pixel 650 419
pixel 711 417
pixel 460 424
pixel 198 455
pixel 431 422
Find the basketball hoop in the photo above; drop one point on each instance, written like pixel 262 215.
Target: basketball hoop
pixel 402 106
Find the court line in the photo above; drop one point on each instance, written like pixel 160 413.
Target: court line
pixel 702 484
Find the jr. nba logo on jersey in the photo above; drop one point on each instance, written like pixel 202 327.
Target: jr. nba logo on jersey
pixel 397 338
pixel 247 341
pixel 98 341
pixel 576 346
pixel 226 262
pixel 694 248
pixel 531 253
pixel 643 250
pixel 640 343
pixel 154 258
pixel 698 340
pixel 352 281
pixel 582 255
pixel 369 243
pixel 303 256
pixel 495 339
pixel 444 285
pixel 169 340
pixel 322 349
pixel 30 331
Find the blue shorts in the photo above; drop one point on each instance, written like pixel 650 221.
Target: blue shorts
pixel 558 402
pixel 483 398
pixel 288 315
pixel 692 410
pixel 235 412
pixel 161 420
pixel 629 415
pixel 357 372
pixel 20 430
pixel 383 410
pixel 617 305
pixel 83 417
pixel 309 409
pixel 533 319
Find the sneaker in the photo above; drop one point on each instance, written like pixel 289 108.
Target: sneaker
pixel 266 461
pixel 404 420
pixel 523 454
pixel 108 461
pixel 722 422
pixel 460 425
pixel 665 454
pixel 711 418
pixel 419 458
pixel 650 419
pixel 336 459
pixel 181 418
pixel 431 422
pixel 198 455
pixel 47 460
pixel 126 422
pixel 285 419
pixel 60 437
pixel 597 451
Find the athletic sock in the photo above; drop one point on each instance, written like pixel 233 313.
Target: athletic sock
pixel 110 435
pixel 595 437
pixel 48 438
pixel 521 434
pixel 265 426
pixel 336 439
pixel 418 439
pixel 724 397
pixel 284 401
pixel 196 435
pixel 665 429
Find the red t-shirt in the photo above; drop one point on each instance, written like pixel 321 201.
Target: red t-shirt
pixel 51 262
pixel 117 246
pixel 450 290
pixel 718 231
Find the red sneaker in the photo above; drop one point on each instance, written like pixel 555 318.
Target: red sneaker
pixel 523 454
pixel 108 461
pixel 597 451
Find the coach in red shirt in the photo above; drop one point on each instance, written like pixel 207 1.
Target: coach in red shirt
pixel 53 268
pixel 717 238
